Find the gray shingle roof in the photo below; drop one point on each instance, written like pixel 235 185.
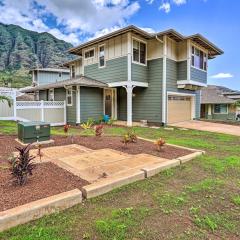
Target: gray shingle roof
pixel 214 95
pixel 81 81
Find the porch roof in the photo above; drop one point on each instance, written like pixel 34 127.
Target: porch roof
pixel 80 81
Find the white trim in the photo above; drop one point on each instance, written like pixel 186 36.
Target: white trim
pixel 49 90
pixel 220 104
pixel 189 56
pixel 68 95
pixel 114 104
pixel 126 83
pixel 87 50
pixel 164 82
pixel 102 45
pixel 139 40
pixel 199 69
pixel 184 82
pixel 78 104
pixel 193 102
pixel 193 54
pixel 129 56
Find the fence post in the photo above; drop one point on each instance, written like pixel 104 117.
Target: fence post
pixel 42 110
pixel 65 112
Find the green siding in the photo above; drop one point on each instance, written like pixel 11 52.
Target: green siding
pixel 198 75
pixel 172 72
pixel 182 70
pixel 115 71
pixel 147 101
pixel 59 94
pixel 50 77
pixel 139 73
pixel 43 95
pixel 91 103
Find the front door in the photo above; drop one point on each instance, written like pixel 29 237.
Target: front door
pixel 110 102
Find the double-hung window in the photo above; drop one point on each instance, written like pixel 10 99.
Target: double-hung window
pixel 101 56
pixel 69 97
pixel 89 53
pixel 221 108
pixel 139 52
pixel 51 94
pixel 73 71
pixel 199 59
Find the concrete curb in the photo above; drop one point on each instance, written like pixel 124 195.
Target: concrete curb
pixel 108 184
pixel 37 209
pixel 159 167
pixel 189 157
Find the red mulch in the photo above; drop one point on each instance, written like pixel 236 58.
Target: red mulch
pixel 47 180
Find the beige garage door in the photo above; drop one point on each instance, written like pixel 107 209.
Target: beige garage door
pixel 179 108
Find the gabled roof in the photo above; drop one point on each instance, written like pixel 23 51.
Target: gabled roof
pixel 214 95
pixel 197 38
pixel 79 81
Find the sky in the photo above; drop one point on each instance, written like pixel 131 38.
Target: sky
pixel 77 21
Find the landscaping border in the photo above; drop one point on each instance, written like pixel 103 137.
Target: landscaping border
pixel 37 209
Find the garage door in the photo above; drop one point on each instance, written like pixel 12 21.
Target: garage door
pixel 179 109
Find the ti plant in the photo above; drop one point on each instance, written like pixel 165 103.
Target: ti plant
pixel 22 165
pixel 99 130
pixel 160 143
pixel 125 140
pixel 7 99
pixel 66 128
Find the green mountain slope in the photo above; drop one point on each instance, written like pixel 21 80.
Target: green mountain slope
pixel 21 50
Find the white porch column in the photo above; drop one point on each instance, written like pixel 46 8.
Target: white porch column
pixel 42 111
pixel 209 110
pixel 78 105
pixel 129 90
pixel 164 82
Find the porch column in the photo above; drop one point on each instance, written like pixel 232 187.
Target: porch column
pixel 129 90
pixel 209 116
pixel 78 120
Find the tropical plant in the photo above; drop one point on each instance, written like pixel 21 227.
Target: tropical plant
pixel 110 122
pixel 66 128
pixel 237 103
pixel 22 165
pixel 88 124
pixel 132 136
pixel 125 140
pixel 7 99
pixel 98 130
pixel 160 143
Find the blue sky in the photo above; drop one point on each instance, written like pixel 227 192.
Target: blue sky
pixel 76 21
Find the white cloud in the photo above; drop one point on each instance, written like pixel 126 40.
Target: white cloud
pixel 74 18
pixel 150 1
pixel 104 31
pixel 148 29
pixel 166 7
pixel 222 75
pixel 180 2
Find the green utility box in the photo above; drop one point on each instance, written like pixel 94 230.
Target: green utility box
pixel 30 132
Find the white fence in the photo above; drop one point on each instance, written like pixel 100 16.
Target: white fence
pixel 53 112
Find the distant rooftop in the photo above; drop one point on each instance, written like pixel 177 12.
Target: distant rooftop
pixel 65 70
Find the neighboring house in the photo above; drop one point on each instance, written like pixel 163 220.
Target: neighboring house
pixel 133 75
pixel 218 103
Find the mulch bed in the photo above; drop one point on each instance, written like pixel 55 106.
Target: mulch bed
pixel 47 180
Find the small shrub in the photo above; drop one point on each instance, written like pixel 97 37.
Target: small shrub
pixel 132 137
pixel 110 122
pixel 22 166
pixel 236 200
pixel 66 128
pixel 88 124
pixel 99 130
pixel 125 140
pixel 160 143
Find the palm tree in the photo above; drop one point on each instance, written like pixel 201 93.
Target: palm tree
pixel 4 98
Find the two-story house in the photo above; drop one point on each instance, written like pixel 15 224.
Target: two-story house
pixel 133 75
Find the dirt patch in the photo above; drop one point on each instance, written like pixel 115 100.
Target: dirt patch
pixel 47 180
pixel 115 143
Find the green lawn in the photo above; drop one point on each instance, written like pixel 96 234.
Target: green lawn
pixel 199 200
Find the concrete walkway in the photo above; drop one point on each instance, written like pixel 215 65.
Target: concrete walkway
pixel 210 127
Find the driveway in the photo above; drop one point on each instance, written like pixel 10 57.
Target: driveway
pixel 209 126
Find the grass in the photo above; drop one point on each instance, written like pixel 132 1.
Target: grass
pixel 199 200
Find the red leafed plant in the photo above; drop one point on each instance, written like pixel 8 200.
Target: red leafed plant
pixel 66 128
pixel 99 130
pixel 22 165
pixel 160 143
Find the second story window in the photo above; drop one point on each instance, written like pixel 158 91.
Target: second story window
pixel 89 54
pixel 139 52
pixel 73 71
pixel 101 56
pixel 199 59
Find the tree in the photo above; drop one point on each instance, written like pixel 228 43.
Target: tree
pixel 7 99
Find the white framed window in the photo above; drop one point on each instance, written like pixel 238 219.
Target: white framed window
pixel 139 51
pixel 220 109
pixel 101 56
pixel 199 59
pixel 51 94
pixel 90 53
pixel 69 96
pixel 73 74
